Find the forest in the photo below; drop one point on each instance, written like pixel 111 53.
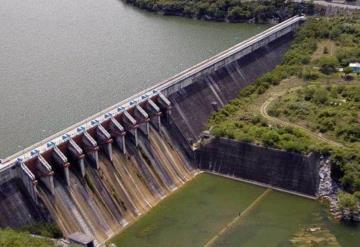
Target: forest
pixel 262 11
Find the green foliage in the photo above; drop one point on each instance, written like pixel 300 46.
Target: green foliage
pixel 11 238
pixel 310 74
pixel 347 70
pixel 330 109
pixel 357 194
pixel 347 201
pixel 321 96
pixel 328 64
pixel 231 10
pixel 346 55
pixel 49 230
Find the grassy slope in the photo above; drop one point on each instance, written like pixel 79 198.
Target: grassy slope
pixel 11 238
pixel 299 120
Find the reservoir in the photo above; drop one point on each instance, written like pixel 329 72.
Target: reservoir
pixel 62 61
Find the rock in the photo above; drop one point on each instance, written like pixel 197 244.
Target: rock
pixel 356 217
pixel 314 229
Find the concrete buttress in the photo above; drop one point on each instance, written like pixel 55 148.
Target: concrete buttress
pixel 117 131
pixel 61 160
pixel 104 140
pixel 77 154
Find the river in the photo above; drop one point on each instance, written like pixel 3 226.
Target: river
pixel 63 60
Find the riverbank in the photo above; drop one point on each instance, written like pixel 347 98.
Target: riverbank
pixel 227 11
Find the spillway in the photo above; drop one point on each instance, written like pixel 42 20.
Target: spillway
pixel 101 174
pixel 106 199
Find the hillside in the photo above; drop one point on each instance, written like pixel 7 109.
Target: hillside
pixel 306 104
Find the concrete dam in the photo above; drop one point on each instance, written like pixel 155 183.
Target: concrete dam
pixel 101 174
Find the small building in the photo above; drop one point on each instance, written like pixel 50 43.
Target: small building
pixel 355 67
pixel 81 240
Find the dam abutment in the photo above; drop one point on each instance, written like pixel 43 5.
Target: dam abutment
pixel 277 168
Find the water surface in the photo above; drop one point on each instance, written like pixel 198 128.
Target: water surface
pixel 202 208
pixel 64 60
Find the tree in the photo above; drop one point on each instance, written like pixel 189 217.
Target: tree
pixel 347 71
pixel 347 202
pixel 238 13
pixel 321 96
pixel 328 64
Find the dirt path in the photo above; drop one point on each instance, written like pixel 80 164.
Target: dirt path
pixel 264 113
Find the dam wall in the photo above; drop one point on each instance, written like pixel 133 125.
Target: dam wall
pixel 192 105
pixel 17 206
pixel 104 172
pixel 277 168
pixel 139 107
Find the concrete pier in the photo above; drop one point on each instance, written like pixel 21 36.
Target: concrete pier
pixel 45 173
pixel 60 159
pixel 117 131
pixel 142 119
pixel 155 113
pixel 77 154
pixel 91 149
pixel 165 103
pixel 130 125
pixel 105 141
pixel 29 180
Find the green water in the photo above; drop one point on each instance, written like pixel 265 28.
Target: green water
pixel 199 210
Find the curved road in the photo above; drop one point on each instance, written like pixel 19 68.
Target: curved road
pixel 265 114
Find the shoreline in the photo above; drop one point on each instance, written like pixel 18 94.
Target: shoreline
pixel 267 16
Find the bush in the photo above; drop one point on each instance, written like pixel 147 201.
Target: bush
pixel 271 138
pixel 325 51
pixel 347 201
pixel 321 96
pixel 328 64
pixel 309 93
pixel 309 74
pixel 347 72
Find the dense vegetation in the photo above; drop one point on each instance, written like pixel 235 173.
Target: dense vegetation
pixel 229 10
pixel 239 120
pixel 12 238
pixel 331 109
